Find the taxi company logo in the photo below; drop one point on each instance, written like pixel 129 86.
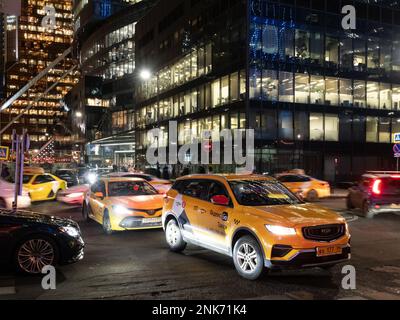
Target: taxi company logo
pixel 238 147
pixel 326 231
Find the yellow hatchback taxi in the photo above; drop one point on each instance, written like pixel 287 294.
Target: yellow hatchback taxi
pixel 42 186
pixel 120 204
pixel 255 220
pixel 307 187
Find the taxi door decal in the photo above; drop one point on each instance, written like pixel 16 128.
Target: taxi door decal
pixel 178 208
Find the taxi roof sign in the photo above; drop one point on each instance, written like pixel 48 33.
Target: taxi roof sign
pixel 396 137
pixel 4 153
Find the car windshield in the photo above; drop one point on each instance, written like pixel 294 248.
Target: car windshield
pixel 130 188
pixel 262 193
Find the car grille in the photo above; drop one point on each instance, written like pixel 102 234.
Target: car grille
pixel 325 233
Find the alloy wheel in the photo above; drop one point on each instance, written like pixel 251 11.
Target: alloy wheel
pixel 247 257
pixel 35 254
pixel 172 233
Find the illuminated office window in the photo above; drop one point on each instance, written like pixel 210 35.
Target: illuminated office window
pixel 372 129
pixel 332 91
pixel 372 95
pixel 331 127
pixel 316 127
pixel 302 93
pixel 317 89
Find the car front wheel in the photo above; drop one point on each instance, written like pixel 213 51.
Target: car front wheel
pixel 248 258
pixel 174 237
pixel 107 224
pixel 366 210
pixel 35 253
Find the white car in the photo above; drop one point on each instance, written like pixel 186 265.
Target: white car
pixel 7 191
pixel 73 195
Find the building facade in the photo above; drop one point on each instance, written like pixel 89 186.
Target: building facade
pixel 105 42
pixel 30 48
pixel 319 97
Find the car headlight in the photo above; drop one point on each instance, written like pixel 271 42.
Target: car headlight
pixel 121 210
pixel 281 231
pixel 74 195
pixel 92 178
pixel 71 231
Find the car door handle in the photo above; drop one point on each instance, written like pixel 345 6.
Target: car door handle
pixel 200 210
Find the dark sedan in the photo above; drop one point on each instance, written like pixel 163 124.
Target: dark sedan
pixel 71 176
pixel 29 241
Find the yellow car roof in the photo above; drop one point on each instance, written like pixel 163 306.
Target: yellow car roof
pixel 33 170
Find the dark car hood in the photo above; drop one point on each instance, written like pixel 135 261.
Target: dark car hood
pixel 42 218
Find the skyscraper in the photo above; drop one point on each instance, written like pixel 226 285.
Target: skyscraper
pixel 30 48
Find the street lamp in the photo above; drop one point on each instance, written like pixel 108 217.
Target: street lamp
pixel 78 114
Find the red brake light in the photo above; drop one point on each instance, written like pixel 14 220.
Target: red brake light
pixel 376 187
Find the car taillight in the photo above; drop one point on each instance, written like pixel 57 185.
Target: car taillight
pixel 376 187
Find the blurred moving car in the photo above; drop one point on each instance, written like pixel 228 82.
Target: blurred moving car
pixel 376 192
pixel 42 186
pixel 68 175
pixel 74 195
pixel 308 188
pixel 256 221
pixel 120 204
pixel 7 194
pixel 29 241
pixel 161 185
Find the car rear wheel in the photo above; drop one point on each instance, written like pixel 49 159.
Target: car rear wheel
pixel 107 224
pixel 312 196
pixel 366 210
pixel 248 258
pixel 174 237
pixel 34 253
pixel 349 204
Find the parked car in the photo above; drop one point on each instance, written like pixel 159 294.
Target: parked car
pixel 68 175
pixel 161 185
pixel 29 241
pixel 307 187
pixel 376 192
pixel 7 196
pixel 74 195
pixel 120 204
pixel 256 221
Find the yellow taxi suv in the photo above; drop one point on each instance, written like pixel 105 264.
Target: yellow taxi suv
pixel 120 204
pixel 42 186
pixel 307 187
pixel 255 220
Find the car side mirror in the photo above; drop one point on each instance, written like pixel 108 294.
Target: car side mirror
pixel 99 195
pixel 220 200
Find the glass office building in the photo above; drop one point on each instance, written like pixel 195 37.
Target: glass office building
pixel 320 97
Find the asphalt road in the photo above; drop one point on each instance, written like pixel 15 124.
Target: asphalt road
pixel 138 265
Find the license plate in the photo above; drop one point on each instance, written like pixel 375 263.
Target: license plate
pixel 395 206
pixel 328 251
pixel 151 220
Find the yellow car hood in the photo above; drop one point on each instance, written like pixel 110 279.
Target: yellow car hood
pixel 139 202
pixel 296 215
